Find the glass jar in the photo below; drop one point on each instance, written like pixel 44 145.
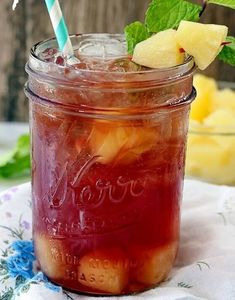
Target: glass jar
pixel 108 154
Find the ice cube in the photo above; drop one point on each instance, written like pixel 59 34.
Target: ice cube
pixel 105 47
pixel 124 65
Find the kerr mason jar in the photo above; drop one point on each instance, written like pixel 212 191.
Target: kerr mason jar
pixel 108 154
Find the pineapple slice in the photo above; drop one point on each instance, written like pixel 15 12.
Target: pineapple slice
pixel 206 87
pixel 49 254
pixel 224 99
pixel 223 119
pixel 104 271
pixel 156 263
pixel 202 41
pixel 159 51
pixel 120 144
pixel 209 153
pixel 214 152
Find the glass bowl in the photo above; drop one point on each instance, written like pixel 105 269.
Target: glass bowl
pixel 211 154
pixel 211 150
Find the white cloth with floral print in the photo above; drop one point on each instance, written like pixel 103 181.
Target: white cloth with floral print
pixel 204 268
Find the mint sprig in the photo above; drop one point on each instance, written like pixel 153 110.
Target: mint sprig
pixel 165 14
pixel 135 33
pixel 161 15
pixel 227 54
pixel 226 3
pixel 17 161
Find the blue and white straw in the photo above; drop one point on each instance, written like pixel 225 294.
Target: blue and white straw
pixel 59 25
pixel 60 28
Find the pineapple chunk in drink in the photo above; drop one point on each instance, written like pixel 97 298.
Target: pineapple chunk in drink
pixel 120 144
pixel 104 270
pixel 155 263
pixel 50 255
pixel 159 51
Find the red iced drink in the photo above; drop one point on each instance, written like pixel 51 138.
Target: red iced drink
pixel 108 151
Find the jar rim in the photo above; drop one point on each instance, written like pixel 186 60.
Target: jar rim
pixel 51 71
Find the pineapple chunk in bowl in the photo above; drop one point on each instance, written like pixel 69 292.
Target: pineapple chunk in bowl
pixel 211 140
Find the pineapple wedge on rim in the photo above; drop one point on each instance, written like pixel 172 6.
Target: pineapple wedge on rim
pixel 159 51
pixel 202 41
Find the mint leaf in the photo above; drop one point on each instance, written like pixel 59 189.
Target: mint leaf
pixel 135 32
pixel 227 3
pixel 17 161
pixel 165 14
pixel 227 54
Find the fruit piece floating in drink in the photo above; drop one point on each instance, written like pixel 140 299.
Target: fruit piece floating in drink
pixel 109 121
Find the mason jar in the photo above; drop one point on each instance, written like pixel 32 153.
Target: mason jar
pixel 108 154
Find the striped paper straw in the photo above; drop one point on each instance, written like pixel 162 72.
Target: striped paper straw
pixel 59 25
pixel 60 28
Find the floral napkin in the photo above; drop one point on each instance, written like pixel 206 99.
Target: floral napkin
pixel 204 269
